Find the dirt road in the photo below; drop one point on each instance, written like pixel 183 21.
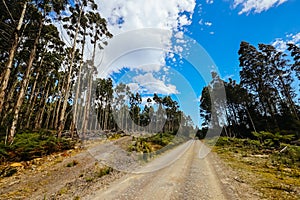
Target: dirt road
pixel 188 177
pixel 181 173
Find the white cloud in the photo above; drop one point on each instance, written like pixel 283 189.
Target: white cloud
pixel 200 22
pixel 281 44
pixel 179 35
pixel 209 1
pixel 142 32
pixel 142 49
pixel 134 87
pixel 145 13
pixel 161 20
pixel 257 6
pixel 149 84
pixel 208 23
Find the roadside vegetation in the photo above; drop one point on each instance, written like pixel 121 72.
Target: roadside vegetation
pixel 151 144
pixel 258 119
pixel 30 145
pixel 270 167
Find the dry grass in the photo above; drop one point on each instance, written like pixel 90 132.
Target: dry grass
pixel 276 176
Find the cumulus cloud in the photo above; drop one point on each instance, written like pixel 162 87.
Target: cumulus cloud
pixel 281 43
pixel 257 6
pixel 147 83
pixel 132 14
pixel 143 32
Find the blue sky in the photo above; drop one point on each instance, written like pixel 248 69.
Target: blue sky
pixel 179 66
pixel 230 28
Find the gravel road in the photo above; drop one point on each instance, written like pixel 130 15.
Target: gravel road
pixel 191 176
pixel 188 171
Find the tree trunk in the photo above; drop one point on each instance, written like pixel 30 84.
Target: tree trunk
pixel 289 98
pixel 252 123
pixel 48 116
pixel 40 118
pixel 68 83
pixel 7 108
pixel 87 104
pixel 51 126
pixel 75 106
pixel 32 101
pixel 59 105
pixel 9 63
pixel 23 85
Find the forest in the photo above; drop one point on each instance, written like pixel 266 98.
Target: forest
pixel 265 104
pixel 49 89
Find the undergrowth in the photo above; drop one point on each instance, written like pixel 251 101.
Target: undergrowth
pixel 29 145
pixel 151 144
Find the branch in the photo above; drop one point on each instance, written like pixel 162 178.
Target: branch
pixel 8 10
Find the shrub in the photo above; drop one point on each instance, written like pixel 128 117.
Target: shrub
pixel 73 163
pixel 104 171
pixel 29 145
pixel 272 140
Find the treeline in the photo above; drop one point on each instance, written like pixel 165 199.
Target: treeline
pixel 47 78
pixel 38 68
pixel 116 108
pixel 264 100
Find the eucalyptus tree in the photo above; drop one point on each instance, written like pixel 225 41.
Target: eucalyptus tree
pixel 98 35
pixel 14 18
pixel 50 56
pixel 171 108
pixel 256 76
pixel 159 114
pixel 240 109
pixel 43 8
pixel 20 14
pixel 295 53
pixel 281 74
pixel 104 95
pixel 76 18
pixel 135 100
pixel 121 93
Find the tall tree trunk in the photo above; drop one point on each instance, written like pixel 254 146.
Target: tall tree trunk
pixel 75 106
pixel 251 120
pixel 7 108
pixel 40 117
pixel 32 101
pixel 47 122
pixel 12 53
pixel 68 83
pixel 40 109
pixel 51 126
pixel 87 104
pixel 59 105
pixel 289 98
pixel 24 84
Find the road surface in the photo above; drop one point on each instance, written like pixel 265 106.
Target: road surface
pixel 188 177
